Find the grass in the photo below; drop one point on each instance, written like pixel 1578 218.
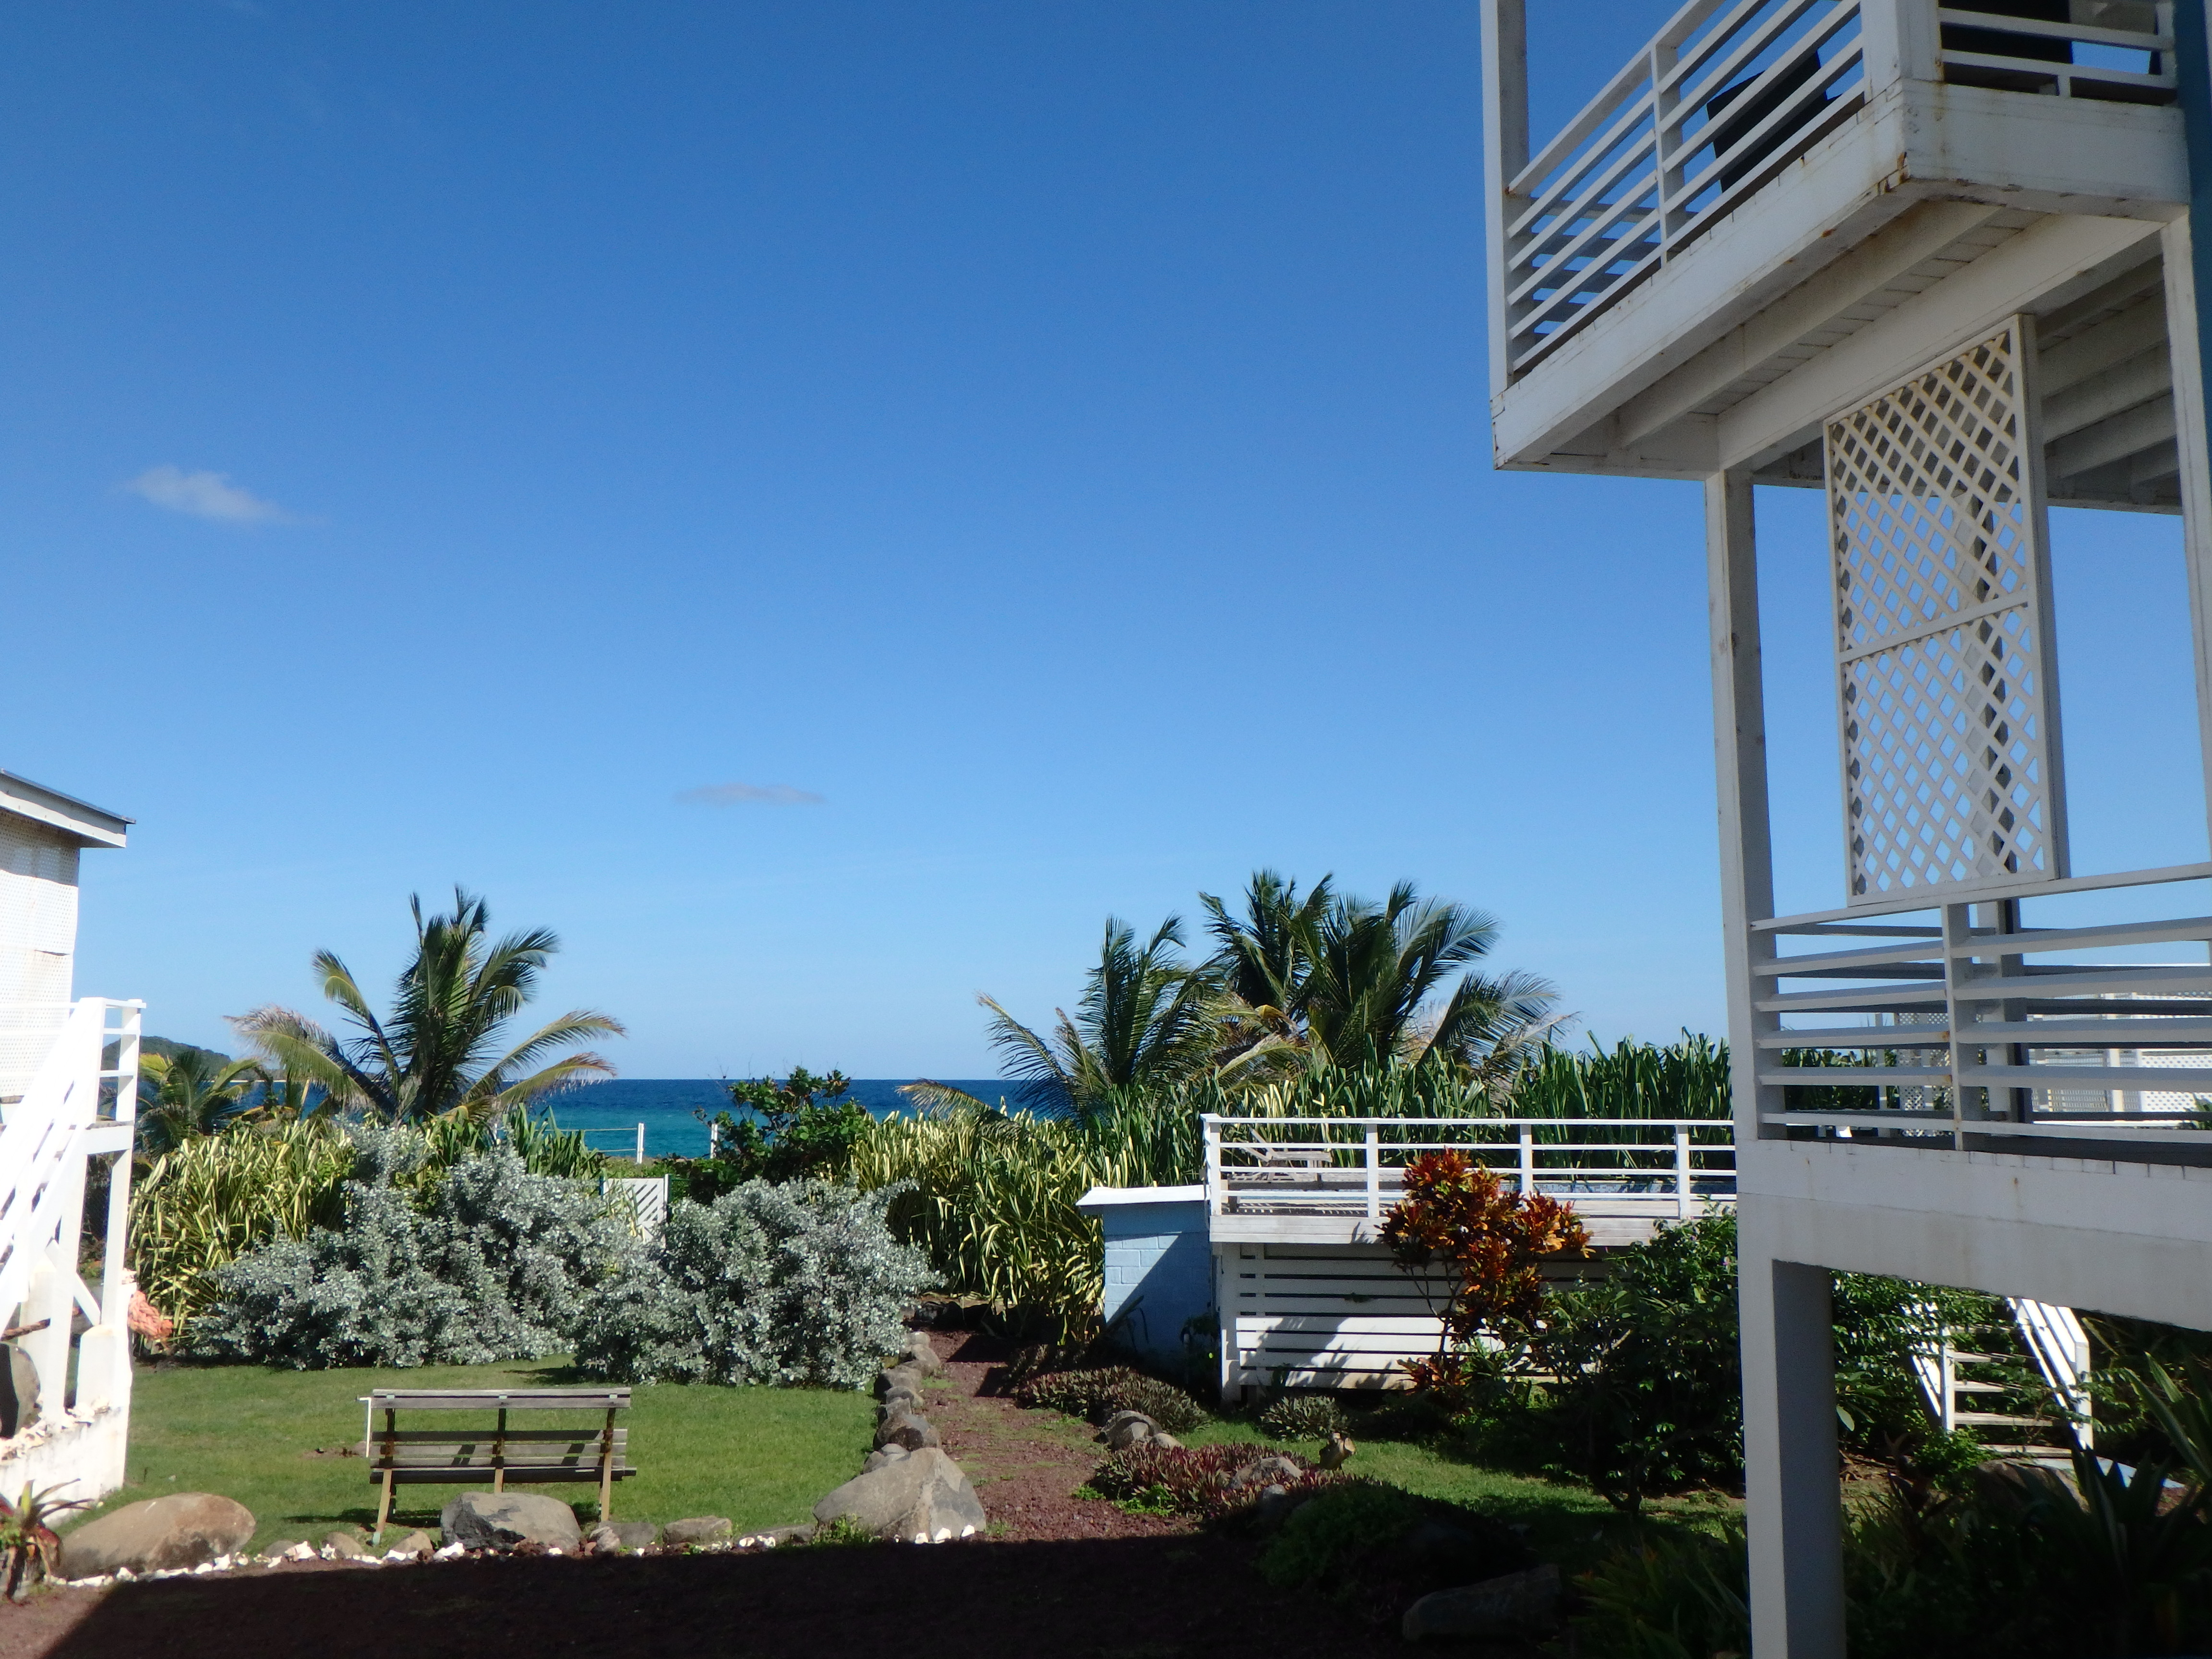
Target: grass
pixel 1566 1523
pixel 271 1439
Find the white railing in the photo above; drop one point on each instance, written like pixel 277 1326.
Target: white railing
pixel 1722 98
pixel 81 1102
pixel 1971 1026
pixel 1355 1166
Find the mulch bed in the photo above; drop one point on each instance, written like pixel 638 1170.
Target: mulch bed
pixel 1057 1576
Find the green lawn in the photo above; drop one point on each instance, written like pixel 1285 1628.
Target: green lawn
pixel 1567 1523
pixel 759 1456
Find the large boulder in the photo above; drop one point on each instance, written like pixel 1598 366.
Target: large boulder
pixel 500 1520
pixel 1125 1429
pixel 922 1496
pixel 1521 1604
pixel 907 1429
pixel 181 1530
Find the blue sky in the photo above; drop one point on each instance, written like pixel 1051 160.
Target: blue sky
pixel 1022 462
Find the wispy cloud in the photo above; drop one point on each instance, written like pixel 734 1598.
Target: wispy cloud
pixel 205 495
pixel 750 794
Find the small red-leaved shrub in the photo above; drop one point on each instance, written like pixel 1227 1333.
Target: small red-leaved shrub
pixel 1204 1479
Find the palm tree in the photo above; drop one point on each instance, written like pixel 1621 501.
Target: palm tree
pixel 1368 995
pixel 1146 1019
pixel 439 1050
pixel 1263 964
pixel 191 1092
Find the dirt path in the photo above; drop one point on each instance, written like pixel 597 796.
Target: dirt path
pixel 1057 1576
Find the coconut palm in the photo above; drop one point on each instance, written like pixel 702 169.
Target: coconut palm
pixel 191 1093
pixel 1377 969
pixel 1146 1019
pixel 1262 963
pixel 443 1047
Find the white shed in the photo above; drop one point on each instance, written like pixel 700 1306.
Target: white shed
pixel 42 831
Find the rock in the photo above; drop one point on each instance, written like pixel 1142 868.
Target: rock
pixel 897 1400
pixel 1277 1505
pixel 881 1456
pixel 1336 1451
pixel 500 1520
pixel 907 1375
pixel 905 1429
pixel 612 1535
pixel 19 1391
pixel 700 1529
pixel 281 1549
pixel 344 1546
pixel 921 1350
pixel 301 1551
pixel 1519 1604
pixel 1268 1471
pixel 922 1496
pixel 1166 1441
pixel 1125 1429
pixel 181 1530
pixel 418 1544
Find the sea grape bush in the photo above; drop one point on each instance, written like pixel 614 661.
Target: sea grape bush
pixel 1379 1547
pixel 795 1284
pixel 1098 1395
pixel 487 1263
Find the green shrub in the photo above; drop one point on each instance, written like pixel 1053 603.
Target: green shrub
pixel 1201 1480
pixel 1302 1417
pixel 1380 1548
pixel 800 1285
pixel 1669 1595
pixel 1098 1395
pixel 497 1265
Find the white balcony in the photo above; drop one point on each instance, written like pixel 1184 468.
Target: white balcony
pixel 1779 206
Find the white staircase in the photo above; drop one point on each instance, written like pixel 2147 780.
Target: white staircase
pixel 81 1103
pixel 1959 1382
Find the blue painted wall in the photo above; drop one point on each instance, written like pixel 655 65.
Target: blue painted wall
pixel 1158 1257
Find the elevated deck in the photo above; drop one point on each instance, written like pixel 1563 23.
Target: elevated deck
pixel 1778 202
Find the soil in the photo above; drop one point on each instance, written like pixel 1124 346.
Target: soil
pixel 1057 1575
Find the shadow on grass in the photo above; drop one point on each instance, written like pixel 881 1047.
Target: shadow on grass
pixel 1141 1598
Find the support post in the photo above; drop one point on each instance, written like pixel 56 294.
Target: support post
pixel 1682 1171
pixel 2184 347
pixel 1793 1499
pixel 1373 1149
pixel 1740 770
pixel 1505 153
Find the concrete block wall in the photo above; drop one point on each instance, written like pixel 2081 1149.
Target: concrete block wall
pixel 1159 1263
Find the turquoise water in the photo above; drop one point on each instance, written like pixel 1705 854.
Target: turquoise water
pixel 609 1112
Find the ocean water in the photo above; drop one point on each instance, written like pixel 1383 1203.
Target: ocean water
pixel 609 1112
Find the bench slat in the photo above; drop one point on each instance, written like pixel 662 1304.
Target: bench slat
pixel 531 1400
pixel 514 1436
pixel 515 1477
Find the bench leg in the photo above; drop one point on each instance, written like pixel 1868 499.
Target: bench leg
pixel 383 1508
pixel 607 1471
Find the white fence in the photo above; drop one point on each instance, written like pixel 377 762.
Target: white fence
pixel 1729 94
pixel 1355 1166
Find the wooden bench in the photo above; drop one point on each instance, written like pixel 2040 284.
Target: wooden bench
pixel 401 1456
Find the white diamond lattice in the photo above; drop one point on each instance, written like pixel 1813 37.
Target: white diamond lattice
pixel 1950 763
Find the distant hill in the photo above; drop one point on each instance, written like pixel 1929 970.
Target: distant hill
pixel 169 1049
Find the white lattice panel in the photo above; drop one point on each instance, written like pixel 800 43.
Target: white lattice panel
pixel 1946 681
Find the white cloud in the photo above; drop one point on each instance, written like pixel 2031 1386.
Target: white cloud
pixel 750 794
pixel 205 495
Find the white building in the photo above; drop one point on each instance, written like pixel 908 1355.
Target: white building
pixel 69 1074
pixel 1943 265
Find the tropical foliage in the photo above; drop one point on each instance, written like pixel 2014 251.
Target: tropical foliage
pixel 795 1284
pixel 190 1092
pixel 444 1045
pixel 489 1262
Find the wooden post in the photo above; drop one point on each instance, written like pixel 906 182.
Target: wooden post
pixel 498 1454
pixel 607 1468
pixel 391 1457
